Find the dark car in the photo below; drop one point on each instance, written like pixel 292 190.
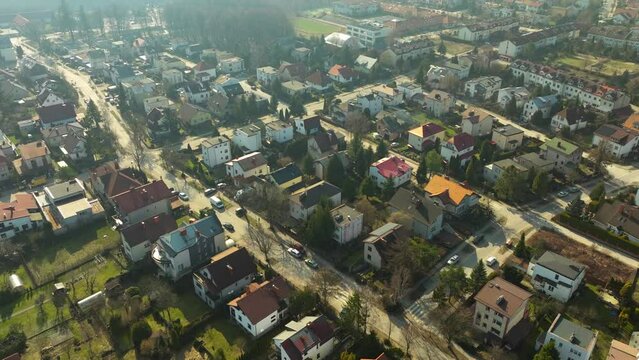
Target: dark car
pixel 240 212
pixel 299 248
pixel 228 226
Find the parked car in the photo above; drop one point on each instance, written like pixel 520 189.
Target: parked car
pixel 299 248
pixel 562 194
pixel 295 253
pixel 311 263
pixel 491 261
pixel 240 212
pixel 209 191
pixel 183 196
pixel 221 185
pixel 453 260
pixel 573 189
pixel 229 227
pixel 394 144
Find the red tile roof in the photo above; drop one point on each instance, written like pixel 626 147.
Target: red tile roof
pixel 392 166
pixel 115 180
pixel 261 300
pixel 462 141
pixel 141 196
pixel 33 150
pixel 149 229
pixel 20 206
pixel 428 129
pixel 344 71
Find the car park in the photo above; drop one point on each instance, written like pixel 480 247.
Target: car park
pixel 562 194
pixel 491 261
pixel 453 260
pixel 209 191
pixel 240 212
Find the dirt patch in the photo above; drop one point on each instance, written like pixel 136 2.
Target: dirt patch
pixel 601 267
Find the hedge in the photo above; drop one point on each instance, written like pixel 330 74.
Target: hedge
pixel 600 234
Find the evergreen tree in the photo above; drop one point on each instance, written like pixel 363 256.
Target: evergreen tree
pixel 442 47
pixel 511 107
pixel 382 150
pixel 335 171
pixel 547 352
pixel 472 170
pixel 388 189
pixel 349 189
pixel 307 165
pixel 368 187
pixel 576 207
pixel 422 170
pixel 92 115
pixel 420 78
pixel 510 185
pixel 433 161
pixel 320 225
pixel 478 277
pixel 122 101
pixel 273 104
pixel 598 192
pixel 486 152
pixel 540 184
pixel 521 250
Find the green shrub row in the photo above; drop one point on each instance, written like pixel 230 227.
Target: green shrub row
pixel 599 233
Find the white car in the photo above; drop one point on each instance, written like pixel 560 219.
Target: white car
pixel 491 261
pixel 295 253
pixel 453 260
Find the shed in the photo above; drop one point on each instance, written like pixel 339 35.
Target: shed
pixel 91 301
pixel 16 283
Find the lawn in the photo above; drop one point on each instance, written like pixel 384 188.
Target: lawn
pixel 422 118
pixel 188 308
pixel 32 320
pixel 601 65
pixel 102 270
pixel 310 27
pixel 455 48
pixel 223 335
pixel 68 250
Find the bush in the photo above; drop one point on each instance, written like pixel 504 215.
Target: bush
pixel 140 331
pixel 599 233
pixel 14 342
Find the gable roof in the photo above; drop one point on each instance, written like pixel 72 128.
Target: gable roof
pixel 420 208
pixel 33 150
pixel 250 161
pixel 475 115
pixel 114 179
pixel 261 300
pixel 188 235
pixel 426 130
pixel 502 297
pixel 294 70
pixel 61 130
pixel 189 111
pixel 141 196
pixel 561 265
pixel 227 268
pixel 286 174
pixel 325 140
pixel 448 191
pixel 343 70
pixel 149 229
pixel 310 196
pixel 316 331
pixel 621 351
pixel 312 122
pixel 20 206
pixel 55 113
pixel 616 134
pixel 43 95
pixel 318 78
pixel 392 166
pixel 621 216
pixel 462 141
pixel 574 114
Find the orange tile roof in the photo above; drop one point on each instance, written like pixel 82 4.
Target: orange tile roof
pixel 448 190
pixel 632 122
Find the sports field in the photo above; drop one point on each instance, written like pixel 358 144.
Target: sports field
pixel 307 27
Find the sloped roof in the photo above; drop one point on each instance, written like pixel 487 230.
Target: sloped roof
pixel 449 191
pixel 462 141
pixel 261 300
pixel 286 174
pixel 189 111
pixel 311 195
pixel 420 208
pixel 33 150
pixel 251 161
pixel 149 229
pixel 502 297
pixel 392 166
pixel 227 268
pixel 561 264
pixel 55 113
pixel 141 196
pixel 316 333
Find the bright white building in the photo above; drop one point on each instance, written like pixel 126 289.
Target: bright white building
pixel 572 341
pixel 248 138
pixel 390 168
pixel 279 132
pixel 505 96
pixel 556 275
pixel 348 223
pixel 252 164
pixel 482 88
pixel 459 146
pixel 619 142
pixel 216 151
pixel 312 337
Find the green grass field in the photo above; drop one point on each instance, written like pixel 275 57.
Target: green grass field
pixel 310 27
pixel 455 48
pixel 601 65
pixel 226 336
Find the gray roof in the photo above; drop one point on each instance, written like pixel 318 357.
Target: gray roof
pixel 186 236
pixel 311 195
pixel 214 141
pixel 561 265
pixel 286 174
pixel 508 130
pixel 64 189
pixel 572 332
pixel 250 129
pixel 506 163
pixel 420 208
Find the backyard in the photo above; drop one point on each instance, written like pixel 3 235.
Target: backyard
pixel 600 65
pixel 310 27
pixel 455 48
pixel 221 334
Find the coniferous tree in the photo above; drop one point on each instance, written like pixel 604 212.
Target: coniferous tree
pixel 478 277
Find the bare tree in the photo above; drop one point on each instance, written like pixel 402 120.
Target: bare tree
pixel 600 157
pixel 357 123
pixel 262 240
pixel 39 302
pixel 89 281
pixel 400 282
pixel 271 201
pixel 325 282
pixel 402 218
pixel 138 136
pixel 409 333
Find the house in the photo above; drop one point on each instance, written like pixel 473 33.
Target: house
pixel 204 71
pixel 459 146
pixel 172 77
pixel 632 122
pixel 370 33
pixel 365 64
pixel 12 90
pixel 46 97
pixel 154 102
pixel 30 68
pixel 288 71
pixel 572 118
pixel 572 341
pixel 493 171
pixel 482 31
pixel 180 251
pixel 454 197
pixel 7 52
pixel 218 104
pixel 621 351
pixel 355 8
pixel 262 307
pixel 308 126
pixel 348 223
pixel 441 78
pixel 542 104
pixel 74 146
pixel 142 202
pixel 477 122
pixel 138 239
pixel 35 158
pixel 620 218
pixel 390 168
pixel 196 93
pixel 231 65
pixel 508 138
pixel 157 121
pixel 6 168
pixel 54 115
pixel 266 75
pixel 301 54
pixel 409 89
pixel 251 164
pixel 435 102
pixel 534 41
pixel 279 132
pixel 139 89
pixel 390 96
pixel 191 115
pixel 225 276
pixel 613 36
pixel 378 242
pixel 499 307
pixel 166 62
pixel 53 136
pixel 193 49
pixel 370 103
pixel 483 87
pixel 318 81
pixel 427 217
pixel 535 162
pixel 248 138
pixel 556 276
pixel 619 142
pixel 109 180
pixel 312 337
pixel 407 48
pixel 66 206
pixel 294 88
pixel 324 143
pixel 562 152
pixel 288 177
pixel 392 125
pixel 342 74
pixel 228 86
pixel 340 40
pixel 321 165
pixel 97 60
pixel 7 148
pixel 122 72
pixel 459 70
pixel 426 136
pixel 216 151
pixel 304 201
pixel 506 95
pixel 600 96
pixel 20 214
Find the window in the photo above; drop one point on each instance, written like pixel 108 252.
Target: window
pixel 369 257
